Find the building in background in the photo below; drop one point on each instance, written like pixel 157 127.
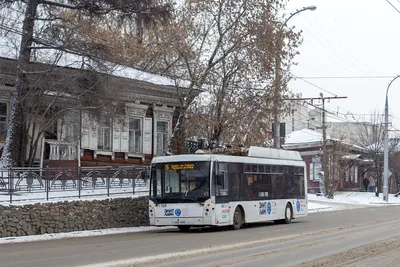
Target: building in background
pixel 310 145
pixel 134 128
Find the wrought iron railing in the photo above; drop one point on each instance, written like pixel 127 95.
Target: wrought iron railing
pixel 35 184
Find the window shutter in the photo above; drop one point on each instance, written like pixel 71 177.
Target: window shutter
pixel 85 131
pixel 125 135
pixel 147 134
pixel 60 130
pixel 93 133
pixel 116 135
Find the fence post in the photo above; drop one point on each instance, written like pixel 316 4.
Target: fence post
pixel 108 181
pixel 10 183
pixel 133 179
pixel 47 184
pixel 79 182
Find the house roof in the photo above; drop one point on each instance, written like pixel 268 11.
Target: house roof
pixel 303 136
pixel 121 71
pixel 306 138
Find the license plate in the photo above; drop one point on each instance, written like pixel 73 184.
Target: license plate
pixel 178 222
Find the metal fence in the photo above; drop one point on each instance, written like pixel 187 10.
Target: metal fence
pixel 35 184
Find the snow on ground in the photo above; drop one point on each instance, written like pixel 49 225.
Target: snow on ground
pixel 24 198
pixel 348 200
pixel 314 207
pixel 89 233
pixel 356 198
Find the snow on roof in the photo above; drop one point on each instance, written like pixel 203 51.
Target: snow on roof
pixel 75 62
pixel 263 152
pixel 136 74
pixel 303 136
pixel 351 156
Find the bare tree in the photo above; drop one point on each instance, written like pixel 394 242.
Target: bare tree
pixel 228 48
pixel 371 137
pixel 337 164
pixel 42 29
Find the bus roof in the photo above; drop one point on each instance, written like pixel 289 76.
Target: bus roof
pixel 257 155
pixel 270 153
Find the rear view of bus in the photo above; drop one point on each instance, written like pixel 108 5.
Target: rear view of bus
pixel 221 190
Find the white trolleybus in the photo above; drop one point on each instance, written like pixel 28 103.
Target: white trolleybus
pixel 219 190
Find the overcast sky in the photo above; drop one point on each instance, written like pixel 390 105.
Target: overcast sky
pixel 352 38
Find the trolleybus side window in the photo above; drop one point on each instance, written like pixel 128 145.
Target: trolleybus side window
pixel 264 186
pixel 221 179
pixel 235 174
pixel 299 178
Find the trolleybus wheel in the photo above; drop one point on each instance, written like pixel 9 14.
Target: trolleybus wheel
pixel 288 215
pixel 237 218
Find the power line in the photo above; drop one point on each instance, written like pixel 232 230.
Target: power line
pixel 345 77
pixel 333 59
pixel 342 51
pixel 310 83
pixel 398 11
pixel 328 43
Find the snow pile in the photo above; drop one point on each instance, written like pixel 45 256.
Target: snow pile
pixel 356 198
pixel 314 207
pixel 61 196
pixel 348 200
pixel 21 239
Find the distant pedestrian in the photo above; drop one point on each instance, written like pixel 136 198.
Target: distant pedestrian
pixel 366 183
pixel 371 184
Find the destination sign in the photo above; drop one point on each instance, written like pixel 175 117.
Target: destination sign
pixel 176 167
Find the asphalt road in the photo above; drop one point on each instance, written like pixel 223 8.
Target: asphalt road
pixel 359 236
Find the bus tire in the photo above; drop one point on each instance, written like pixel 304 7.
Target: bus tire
pixel 237 218
pixel 288 215
pixel 184 228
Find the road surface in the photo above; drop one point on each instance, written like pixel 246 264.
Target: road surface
pixel 357 237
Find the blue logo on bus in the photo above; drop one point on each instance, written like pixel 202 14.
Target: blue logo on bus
pixel 269 207
pixel 298 206
pixel 178 212
pixel 168 212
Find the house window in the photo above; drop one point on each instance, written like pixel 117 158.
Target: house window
pixel 3 121
pixel 315 171
pixel 72 132
pixel 135 135
pixel 71 128
pixel 162 137
pixel 104 134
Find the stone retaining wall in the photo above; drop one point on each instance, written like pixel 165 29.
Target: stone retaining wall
pixel 63 217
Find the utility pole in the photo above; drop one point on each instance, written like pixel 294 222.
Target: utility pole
pixel 278 75
pixel 325 156
pixel 386 144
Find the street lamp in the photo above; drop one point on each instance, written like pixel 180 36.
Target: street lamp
pixel 278 76
pixel 385 149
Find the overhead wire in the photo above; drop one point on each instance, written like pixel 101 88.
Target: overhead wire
pixel 341 50
pixel 346 77
pixel 398 11
pixel 312 84
pixel 334 60
pixel 334 51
